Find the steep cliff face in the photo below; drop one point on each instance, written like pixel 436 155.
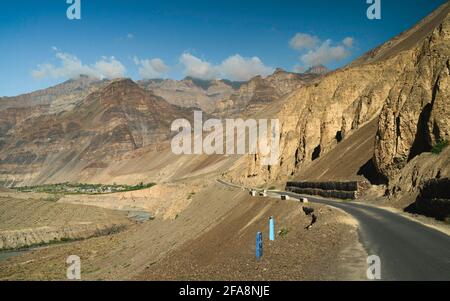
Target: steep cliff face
pixel 416 114
pixel 315 118
pixel 434 199
pixel 404 187
pixel 403 86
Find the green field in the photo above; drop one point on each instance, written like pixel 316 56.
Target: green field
pixel 81 188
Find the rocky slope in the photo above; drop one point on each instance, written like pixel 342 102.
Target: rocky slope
pixel 393 101
pixel 258 92
pixel 105 131
pixel 55 99
pixel 416 114
pixel 186 247
pixel 191 92
pixel 320 69
pixel 225 98
pixel 434 198
pixel 34 221
pixel 405 188
pixel 106 125
pixel 402 86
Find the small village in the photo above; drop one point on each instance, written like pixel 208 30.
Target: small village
pixel 81 188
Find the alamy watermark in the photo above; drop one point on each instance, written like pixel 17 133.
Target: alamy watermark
pixel 374 267
pixel 74 270
pixel 236 136
pixel 374 10
pixel 74 10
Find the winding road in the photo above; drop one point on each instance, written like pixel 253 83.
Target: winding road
pixel 408 249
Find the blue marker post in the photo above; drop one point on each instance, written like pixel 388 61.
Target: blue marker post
pixel 259 246
pixel 271 229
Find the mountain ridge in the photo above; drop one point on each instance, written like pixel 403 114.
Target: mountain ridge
pixel 404 95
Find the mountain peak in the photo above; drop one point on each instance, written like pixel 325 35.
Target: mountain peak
pixel 318 69
pixel 123 81
pixel 279 70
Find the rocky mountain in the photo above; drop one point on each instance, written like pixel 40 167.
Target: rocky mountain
pixel 396 97
pixel 75 131
pixel 320 70
pixel 226 98
pixel 377 119
pixel 109 123
pixel 191 92
pixel 57 98
pixel 259 91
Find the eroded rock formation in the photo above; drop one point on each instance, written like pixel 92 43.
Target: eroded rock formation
pixel 403 86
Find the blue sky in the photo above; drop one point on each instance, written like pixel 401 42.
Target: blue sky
pixel 173 38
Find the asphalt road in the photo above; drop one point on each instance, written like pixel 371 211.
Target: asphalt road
pixel 408 249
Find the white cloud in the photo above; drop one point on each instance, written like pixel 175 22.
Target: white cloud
pixel 130 36
pixel 238 68
pixel 304 41
pixel 235 68
pixel 72 67
pixel 348 42
pixel 151 68
pixel 316 52
pixel 109 68
pixel 325 54
pixel 195 67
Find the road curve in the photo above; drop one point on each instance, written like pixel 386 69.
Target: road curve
pixel 408 249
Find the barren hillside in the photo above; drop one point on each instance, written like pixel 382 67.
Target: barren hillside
pixel 391 109
pixel 191 245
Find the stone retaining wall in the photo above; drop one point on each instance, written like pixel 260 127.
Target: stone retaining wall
pixel 340 190
pixel 434 199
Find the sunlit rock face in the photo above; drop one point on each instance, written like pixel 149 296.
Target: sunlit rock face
pixel 403 85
